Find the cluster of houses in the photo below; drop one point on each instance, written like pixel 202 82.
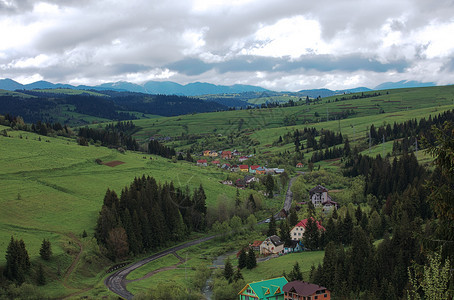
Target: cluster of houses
pixel 274 245
pixel 280 289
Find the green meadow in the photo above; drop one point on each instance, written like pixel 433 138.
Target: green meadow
pixel 52 188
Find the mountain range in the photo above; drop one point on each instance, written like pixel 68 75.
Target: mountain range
pixel 196 88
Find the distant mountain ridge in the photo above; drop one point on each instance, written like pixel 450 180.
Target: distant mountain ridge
pixel 199 88
pixel 150 87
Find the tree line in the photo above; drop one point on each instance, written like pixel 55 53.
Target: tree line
pixel 112 135
pixel 148 216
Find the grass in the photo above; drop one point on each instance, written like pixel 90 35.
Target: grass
pixel 168 260
pixel 276 266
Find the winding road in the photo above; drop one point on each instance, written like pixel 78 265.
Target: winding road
pixel 116 282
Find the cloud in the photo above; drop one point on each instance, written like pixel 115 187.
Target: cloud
pixel 280 44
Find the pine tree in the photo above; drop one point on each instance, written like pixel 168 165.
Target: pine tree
pixel 17 261
pixel 269 184
pixel 293 217
pixel 40 277
pixel 46 250
pixel 228 271
pixel 272 227
pixel 237 199
pixel 242 259
pixel 295 273
pixel 237 276
pixel 251 259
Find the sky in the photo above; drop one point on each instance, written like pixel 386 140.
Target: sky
pixel 282 45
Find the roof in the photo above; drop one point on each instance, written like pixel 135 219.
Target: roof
pixel 302 288
pixel 256 243
pixel 226 152
pixel 299 164
pixel 267 288
pixel 260 169
pixel 303 223
pixel 255 167
pixel 275 240
pixel 293 244
pixel 201 161
pixel 215 162
pixel 244 167
pixel 318 189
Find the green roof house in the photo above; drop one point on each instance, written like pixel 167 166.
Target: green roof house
pixel 265 289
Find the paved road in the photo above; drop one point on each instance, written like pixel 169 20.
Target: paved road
pixel 116 282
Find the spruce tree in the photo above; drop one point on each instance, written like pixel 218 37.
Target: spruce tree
pixel 272 227
pixel 228 270
pixel 251 259
pixel 46 250
pixel 237 276
pixel 295 273
pixel 242 259
pixel 40 277
pixel 293 217
pixel 269 184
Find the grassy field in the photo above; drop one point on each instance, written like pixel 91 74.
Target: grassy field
pixel 398 103
pixel 52 187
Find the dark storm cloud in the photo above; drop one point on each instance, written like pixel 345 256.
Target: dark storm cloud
pixel 322 63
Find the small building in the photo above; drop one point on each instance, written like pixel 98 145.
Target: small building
pixel 216 163
pixel 299 165
pixel 253 168
pixel 226 154
pixel 256 245
pixel 249 179
pixel 226 182
pixel 235 168
pixel 202 162
pixel 240 183
pixel 236 153
pixel 226 166
pixel 264 290
pixel 213 154
pixel 243 158
pixel 305 291
pixel 297 232
pixel 279 171
pixel 318 195
pixel 260 171
pixel 244 168
pixel 272 245
pixel 206 153
pixel 295 246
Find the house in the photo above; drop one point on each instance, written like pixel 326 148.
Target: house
pixel 244 168
pixel 295 246
pixel 269 171
pixel 320 198
pixel 260 171
pixel 202 162
pixel 226 154
pixel 249 179
pixel 305 291
pixel 213 154
pixel 243 158
pixel 297 232
pixel 265 289
pixel 279 171
pixel 329 205
pixel 226 166
pixel 256 245
pixel 299 165
pixel 226 182
pixel 240 183
pixel 216 162
pixel 206 153
pixel 272 245
pixel 253 168
pixel 236 153
pixel 235 168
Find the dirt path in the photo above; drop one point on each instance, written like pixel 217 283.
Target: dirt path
pixel 173 267
pixel 76 260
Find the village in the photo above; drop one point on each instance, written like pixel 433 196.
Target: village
pixel 273 246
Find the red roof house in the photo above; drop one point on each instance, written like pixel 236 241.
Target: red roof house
pixel 297 232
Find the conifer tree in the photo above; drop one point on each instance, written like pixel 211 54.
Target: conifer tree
pixel 242 259
pixel 251 259
pixel 295 273
pixel 293 218
pixel 40 277
pixel 237 276
pixel 272 227
pixel 46 250
pixel 228 270
pixel 17 261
